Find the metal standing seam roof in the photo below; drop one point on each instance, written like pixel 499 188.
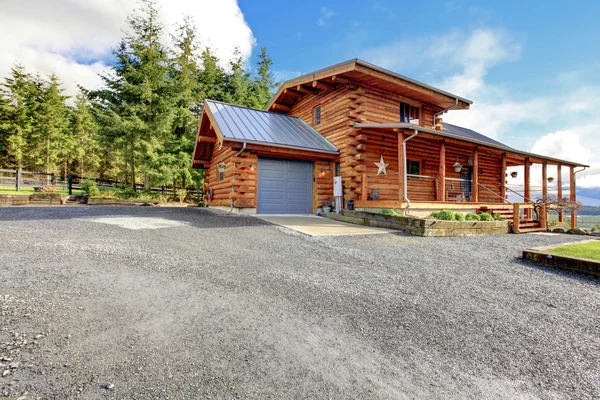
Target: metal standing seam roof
pixel 243 124
pixel 471 134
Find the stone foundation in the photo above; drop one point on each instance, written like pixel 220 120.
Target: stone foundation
pixel 33 199
pixel 423 227
pixel 540 255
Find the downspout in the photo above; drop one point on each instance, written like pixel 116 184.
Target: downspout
pixel 405 195
pixel 443 111
pixel 239 153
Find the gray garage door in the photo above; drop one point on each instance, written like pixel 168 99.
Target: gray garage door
pixel 284 186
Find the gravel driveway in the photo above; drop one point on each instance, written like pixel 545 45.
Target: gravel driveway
pixel 180 303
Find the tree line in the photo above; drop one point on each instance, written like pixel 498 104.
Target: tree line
pixel 141 125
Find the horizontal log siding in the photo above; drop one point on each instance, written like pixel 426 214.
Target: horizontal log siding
pixel 339 110
pixel 323 186
pixel 238 176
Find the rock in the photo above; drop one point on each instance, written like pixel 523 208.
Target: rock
pixel 13 365
pixel 110 386
pixel 559 230
pixel 5 372
pixel 576 231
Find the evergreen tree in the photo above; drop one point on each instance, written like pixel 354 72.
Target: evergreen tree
pixel 212 77
pixel 264 83
pixel 6 112
pixel 138 101
pixel 22 93
pixel 50 145
pixel 86 152
pixel 238 84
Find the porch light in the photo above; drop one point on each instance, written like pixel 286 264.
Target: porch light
pixel 251 165
pixel 322 172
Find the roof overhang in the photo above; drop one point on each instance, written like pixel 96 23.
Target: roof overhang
pixel 209 134
pixel 402 125
pixel 358 72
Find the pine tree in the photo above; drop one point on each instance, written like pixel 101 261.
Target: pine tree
pixel 264 82
pixel 212 77
pixel 86 152
pixel 22 93
pixel 6 112
pixel 138 101
pixel 238 84
pixel 50 145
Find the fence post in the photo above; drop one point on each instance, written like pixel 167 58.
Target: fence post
pixel 52 178
pixel 18 179
pixel 70 183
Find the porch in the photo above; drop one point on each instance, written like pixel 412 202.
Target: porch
pixel 429 170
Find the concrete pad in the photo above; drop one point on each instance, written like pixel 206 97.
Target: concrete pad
pixel 319 226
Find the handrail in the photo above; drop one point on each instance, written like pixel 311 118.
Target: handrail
pixel 494 193
pixel 517 193
pixel 421 176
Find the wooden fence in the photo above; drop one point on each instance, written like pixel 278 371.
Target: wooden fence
pixel 74 182
pixel 22 179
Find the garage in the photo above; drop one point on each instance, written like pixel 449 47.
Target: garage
pixel 284 186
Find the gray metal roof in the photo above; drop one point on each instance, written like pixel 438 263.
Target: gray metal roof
pixel 243 124
pixel 471 134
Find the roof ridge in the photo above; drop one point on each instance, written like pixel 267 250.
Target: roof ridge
pixel 249 108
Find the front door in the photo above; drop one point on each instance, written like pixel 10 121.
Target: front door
pixel 466 181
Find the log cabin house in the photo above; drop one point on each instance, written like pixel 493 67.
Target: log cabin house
pixel 380 131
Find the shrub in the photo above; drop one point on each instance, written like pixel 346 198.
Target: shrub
pixel 459 216
pixel 596 227
pixel 182 195
pixel 90 188
pixel 390 212
pixel 444 215
pixel 486 217
pixel 472 217
pixel 126 192
pixel 498 217
pixel 48 188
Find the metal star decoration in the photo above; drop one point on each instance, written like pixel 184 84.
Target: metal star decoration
pixel 382 166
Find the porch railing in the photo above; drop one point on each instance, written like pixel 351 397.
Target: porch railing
pixel 458 190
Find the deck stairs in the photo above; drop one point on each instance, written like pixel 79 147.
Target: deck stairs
pixel 526 225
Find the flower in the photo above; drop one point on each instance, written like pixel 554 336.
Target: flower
pixel 457 165
pixel 221 165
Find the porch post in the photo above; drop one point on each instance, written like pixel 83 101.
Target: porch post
pixel 401 167
pixel 559 194
pixel 573 197
pixel 442 172
pixel 545 180
pixel 503 176
pixel 527 186
pixel 475 175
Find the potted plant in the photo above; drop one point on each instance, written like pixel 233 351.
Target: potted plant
pixel 550 179
pixel 221 166
pixel 327 206
pixel 514 174
pixel 457 166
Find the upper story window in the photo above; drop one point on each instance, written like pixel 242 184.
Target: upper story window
pixel 409 113
pixel 317 115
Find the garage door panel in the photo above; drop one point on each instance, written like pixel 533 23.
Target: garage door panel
pixel 284 186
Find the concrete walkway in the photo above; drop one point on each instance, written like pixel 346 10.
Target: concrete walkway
pixel 319 226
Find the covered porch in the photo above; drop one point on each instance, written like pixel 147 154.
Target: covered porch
pixel 436 169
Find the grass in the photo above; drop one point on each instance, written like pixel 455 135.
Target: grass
pixel 29 191
pixel 589 250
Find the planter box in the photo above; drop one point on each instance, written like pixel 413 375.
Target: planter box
pixel 424 227
pixel 46 199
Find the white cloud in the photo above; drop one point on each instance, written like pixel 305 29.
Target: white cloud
pixel 72 37
pixel 325 16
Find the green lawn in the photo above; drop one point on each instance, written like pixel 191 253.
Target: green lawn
pixel 590 250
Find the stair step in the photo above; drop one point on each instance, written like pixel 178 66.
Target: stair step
pixel 527 230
